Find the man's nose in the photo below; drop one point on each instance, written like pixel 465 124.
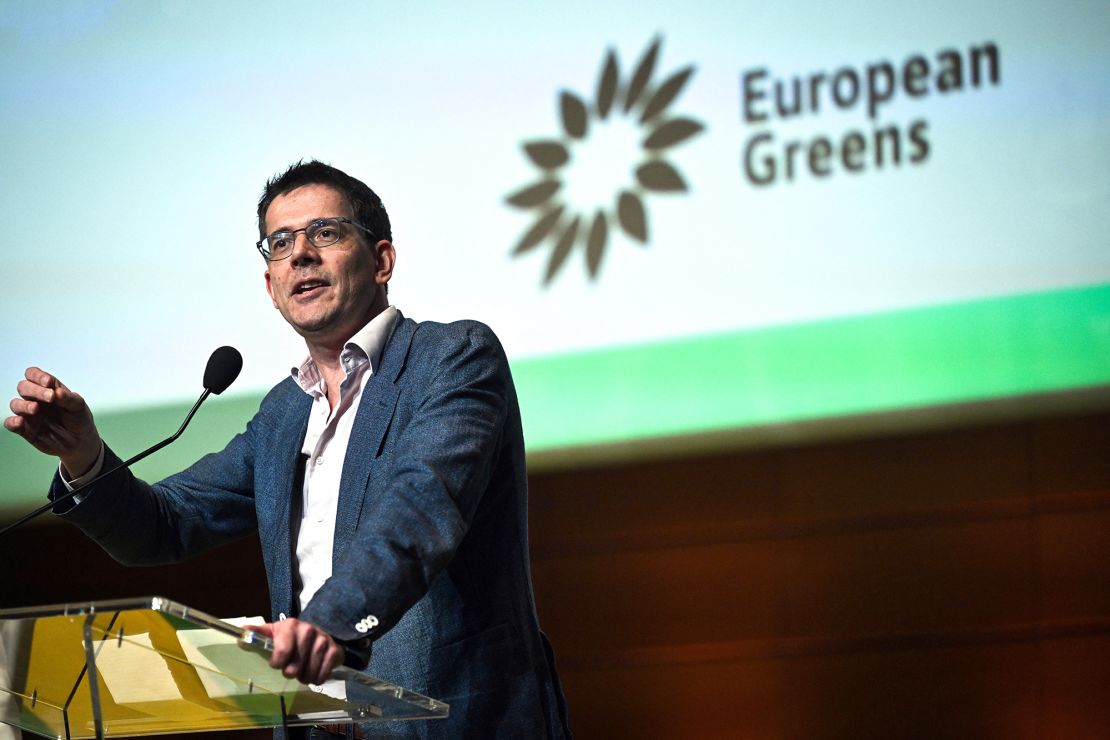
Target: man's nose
pixel 303 251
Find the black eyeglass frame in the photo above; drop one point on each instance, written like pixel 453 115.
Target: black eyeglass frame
pixel 260 244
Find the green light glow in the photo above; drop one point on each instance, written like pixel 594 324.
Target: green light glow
pixel 988 349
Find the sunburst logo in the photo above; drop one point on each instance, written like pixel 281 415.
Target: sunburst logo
pixel 598 174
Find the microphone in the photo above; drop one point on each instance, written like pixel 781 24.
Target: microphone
pixel 222 370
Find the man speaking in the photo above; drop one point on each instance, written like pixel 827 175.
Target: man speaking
pixel 385 478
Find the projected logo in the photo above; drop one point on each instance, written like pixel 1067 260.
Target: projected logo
pixel 612 154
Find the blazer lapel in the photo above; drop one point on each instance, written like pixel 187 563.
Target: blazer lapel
pixel 375 411
pixel 287 449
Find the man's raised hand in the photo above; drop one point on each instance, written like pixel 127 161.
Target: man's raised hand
pixel 55 420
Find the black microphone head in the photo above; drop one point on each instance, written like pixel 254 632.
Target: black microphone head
pixel 223 368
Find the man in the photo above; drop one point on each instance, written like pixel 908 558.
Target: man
pixel 385 477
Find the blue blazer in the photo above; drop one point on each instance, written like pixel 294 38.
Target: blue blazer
pixel 431 544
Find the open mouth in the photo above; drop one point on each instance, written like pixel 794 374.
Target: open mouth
pixel 309 288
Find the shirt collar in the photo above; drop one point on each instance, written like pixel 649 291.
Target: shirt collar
pixel 365 346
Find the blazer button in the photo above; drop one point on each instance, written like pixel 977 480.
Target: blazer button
pixel 366 624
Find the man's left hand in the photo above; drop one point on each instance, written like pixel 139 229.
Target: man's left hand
pixel 301 650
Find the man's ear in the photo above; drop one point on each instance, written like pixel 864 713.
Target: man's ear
pixel 385 256
pixel 270 288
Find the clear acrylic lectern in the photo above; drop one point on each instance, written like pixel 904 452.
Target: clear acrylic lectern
pixel 150 666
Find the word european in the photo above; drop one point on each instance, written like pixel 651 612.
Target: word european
pixel 765 101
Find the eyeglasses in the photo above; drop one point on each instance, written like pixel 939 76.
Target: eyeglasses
pixel 323 232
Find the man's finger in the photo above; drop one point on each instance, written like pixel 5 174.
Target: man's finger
pixel 304 635
pixel 314 660
pixel 43 386
pixel 38 376
pixel 21 425
pixel 34 392
pixel 333 657
pixel 21 407
pixel 294 658
pixel 290 657
pixel 323 649
pixel 326 655
pixel 282 648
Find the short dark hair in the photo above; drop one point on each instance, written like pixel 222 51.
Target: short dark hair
pixel 365 204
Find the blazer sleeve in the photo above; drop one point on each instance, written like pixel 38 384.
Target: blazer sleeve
pixel 444 458
pixel 206 505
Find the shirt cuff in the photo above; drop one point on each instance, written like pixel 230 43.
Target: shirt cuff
pixel 73 485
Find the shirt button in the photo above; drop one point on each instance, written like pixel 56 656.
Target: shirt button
pixel 319 461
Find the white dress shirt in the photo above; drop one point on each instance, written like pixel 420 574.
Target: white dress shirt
pixel 325 444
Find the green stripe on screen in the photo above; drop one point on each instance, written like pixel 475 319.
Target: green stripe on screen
pixel 979 350
pixel 938 355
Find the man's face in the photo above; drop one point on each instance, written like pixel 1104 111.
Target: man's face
pixel 326 294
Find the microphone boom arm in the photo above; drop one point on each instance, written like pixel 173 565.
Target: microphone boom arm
pixel 126 463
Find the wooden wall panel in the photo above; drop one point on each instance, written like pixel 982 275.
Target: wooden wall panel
pixel 1071 456
pixel 1076 677
pixel 708 701
pixel 968 691
pixel 1074 565
pixel 912 474
pixel 649 598
pixel 943 584
pixel 910 580
pixel 651 505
